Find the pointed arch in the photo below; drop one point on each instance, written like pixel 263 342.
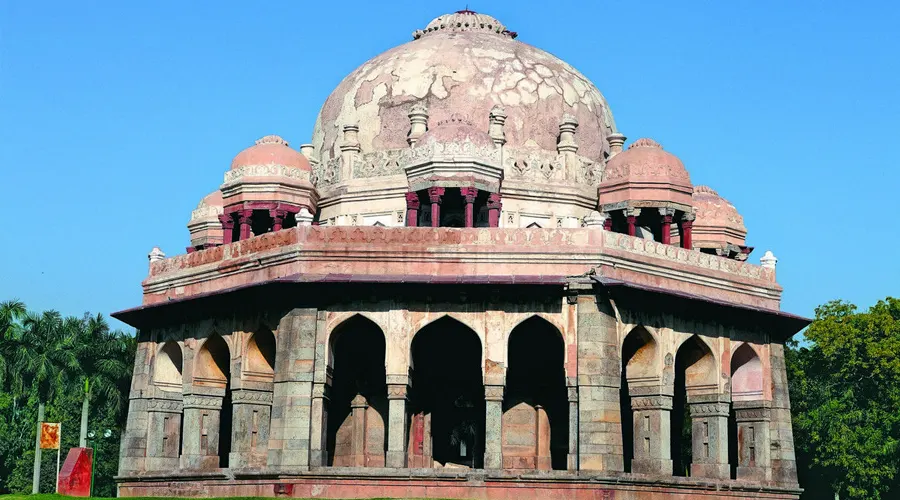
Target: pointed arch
pixel 539 322
pixel 746 374
pixel 212 365
pixel 351 322
pixel 259 356
pixel 446 320
pixel 167 368
pixel 640 356
pixel 697 359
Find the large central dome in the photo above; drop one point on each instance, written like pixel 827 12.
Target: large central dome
pixel 461 66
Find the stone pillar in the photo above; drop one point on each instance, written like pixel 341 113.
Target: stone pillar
pixel 572 455
pixel 277 219
pixel 753 441
pixel 616 141
pixel 318 451
pixel 358 407
pixel 493 427
pixel 133 447
pixel 349 149
pixel 651 416
pixel 469 194
pixel 607 224
pixel 599 416
pixel 631 215
pixel 434 195
pixel 418 123
pixel 784 463
pixel 396 452
pixel 246 220
pixel 709 436
pixel 164 434
pixel 289 441
pixel 412 209
pixel 304 217
pixel 494 204
pixel 687 225
pixel 666 215
pixel 542 453
pixel 252 412
pixel 227 221
pixel 200 443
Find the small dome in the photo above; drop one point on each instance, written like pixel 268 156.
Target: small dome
pixel 718 222
pixel 645 172
pixel 271 150
pixel 204 226
pixel 455 130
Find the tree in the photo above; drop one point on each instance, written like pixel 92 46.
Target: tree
pixel 845 392
pixel 11 311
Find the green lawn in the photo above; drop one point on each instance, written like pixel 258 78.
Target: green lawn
pixel 49 496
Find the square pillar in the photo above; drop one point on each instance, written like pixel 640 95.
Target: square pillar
pixel 493 427
pixel 709 437
pixel 200 444
pixel 469 194
pixel 652 431
pixel 278 216
pixel 412 209
pixel 245 217
pixel 434 195
pixel 687 226
pixel 227 221
pixel 396 452
pixel 784 462
pixel 318 453
pixel 666 215
pixel 358 407
pixel 494 204
pixel 572 456
pixel 250 428
pixel 631 215
pixel 164 434
pixel 753 441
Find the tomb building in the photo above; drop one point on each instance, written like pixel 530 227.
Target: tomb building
pixel 464 286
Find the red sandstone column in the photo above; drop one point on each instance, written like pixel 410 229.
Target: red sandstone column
pixel 494 204
pixel 607 224
pixel 435 194
pixel 412 209
pixel 227 221
pixel 666 229
pixel 246 219
pixel 469 194
pixel 631 216
pixel 358 406
pixel 277 219
pixel 687 224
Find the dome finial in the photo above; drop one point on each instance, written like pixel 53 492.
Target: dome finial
pixel 271 139
pixel 465 20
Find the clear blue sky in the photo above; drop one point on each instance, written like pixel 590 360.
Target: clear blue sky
pixel 117 117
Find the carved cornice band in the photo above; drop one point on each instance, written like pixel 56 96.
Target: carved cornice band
pixel 252 397
pixel 710 409
pixel 493 393
pixel 202 402
pixel 164 405
pixel 752 411
pixel 651 403
pixel 397 391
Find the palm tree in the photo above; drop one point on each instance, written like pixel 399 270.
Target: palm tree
pixel 11 312
pixel 45 353
pixel 103 357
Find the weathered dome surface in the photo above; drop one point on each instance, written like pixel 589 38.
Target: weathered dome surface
pixel 718 221
pixel 456 131
pixel 271 150
pixel 645 171
pixel 465 70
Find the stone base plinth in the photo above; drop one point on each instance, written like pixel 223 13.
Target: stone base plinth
pixel 199 462
pixel 711 471
pixel 333 483
pixel 756 474
pixel 652 466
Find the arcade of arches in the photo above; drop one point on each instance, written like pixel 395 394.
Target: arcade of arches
pixel 517 395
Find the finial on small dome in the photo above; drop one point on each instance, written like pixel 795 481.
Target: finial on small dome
pixel 595 219
pixel 418 122
pixel 307 150
pixel 566 142
pixel 645 143
pixel 272 139
pixel 768 260
pixel 156 255
pixel 465 20
pixel 497 119
pixel 705 189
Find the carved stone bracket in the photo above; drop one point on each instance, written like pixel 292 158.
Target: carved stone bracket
pixel 397 391
pixel 651 403
pixel 252 397
pixel 322 391
pixel 493 392
pixel 752 411
pixel 164 405
pixel 572 393
pixel 203 402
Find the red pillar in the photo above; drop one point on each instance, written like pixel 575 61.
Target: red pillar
pixel 434 195
pixel 666 229
pixel 632 219
pixel 687 224
pixel 227 221
pixel 493 205
pixel 277 219
pixel 607 224
pixel 246 219
pixel 412 209
pixel 469 195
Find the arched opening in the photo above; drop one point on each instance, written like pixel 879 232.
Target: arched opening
pixel 213 369
pixel 168 366
pixel 746 385
pixel 447 396
pixel 535 405
pixel 357 434
pixel 259 361
pixel 695 369
pixel 639 368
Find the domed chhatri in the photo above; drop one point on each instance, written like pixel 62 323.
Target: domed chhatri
pixel 719 228
pixel 554 310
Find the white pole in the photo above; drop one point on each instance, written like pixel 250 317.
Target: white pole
pixel 58 450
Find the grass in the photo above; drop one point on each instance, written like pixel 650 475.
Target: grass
pixel 52 496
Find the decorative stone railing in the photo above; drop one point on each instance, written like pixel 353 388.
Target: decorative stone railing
pixel 269 170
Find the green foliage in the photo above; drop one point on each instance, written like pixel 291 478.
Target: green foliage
pixel 50 359
pixel 845 394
